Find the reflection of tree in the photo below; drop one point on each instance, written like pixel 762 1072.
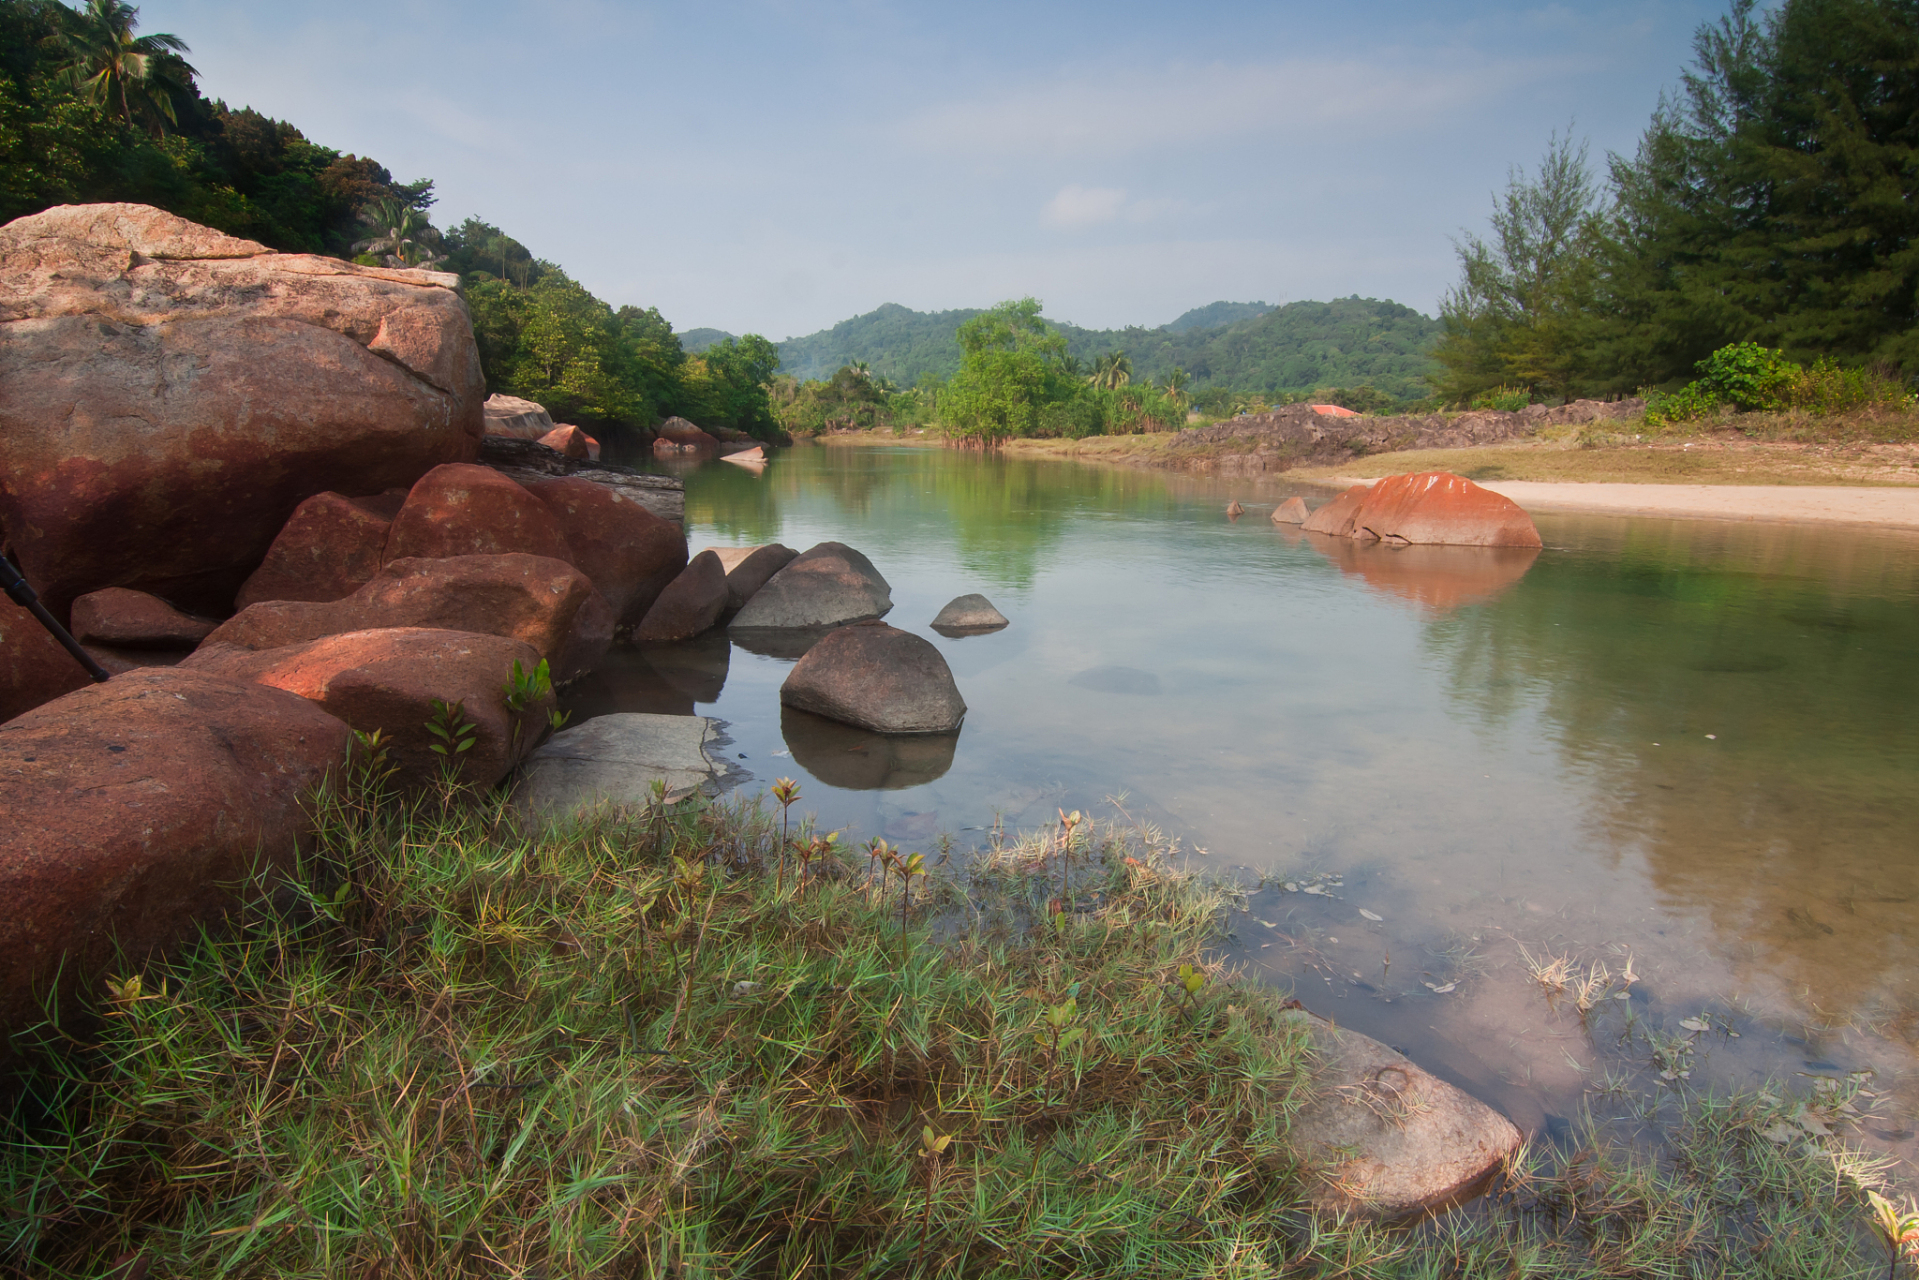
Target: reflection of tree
pixel 1792 826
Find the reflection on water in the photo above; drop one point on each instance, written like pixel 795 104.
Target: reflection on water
pixel 1686 743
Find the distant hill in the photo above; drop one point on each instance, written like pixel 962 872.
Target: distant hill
pixel 1246 346
pixel 694 341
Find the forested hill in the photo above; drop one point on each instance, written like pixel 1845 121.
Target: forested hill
pixel 1348 342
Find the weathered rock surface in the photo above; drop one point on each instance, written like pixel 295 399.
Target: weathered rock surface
pixel 969 615
pixel 545 602
pixel 465 510
pixel 823 586
pixel 614 760
pixel 879 678
pixel 629 553
pixel 856 759
pixel 684 433
pixel 691 603
pixel 1432 508
pixel 169 395
pixel 1291 511
pixel 515 418
pixel 133 812
pixel 528 460
pixel 750 568
pixel 1386 1137
pixel 34 667
pixel 135 620
pixel 568 441
pixel 331 546
pixel 388 679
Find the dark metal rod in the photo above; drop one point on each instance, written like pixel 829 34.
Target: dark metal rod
pixel 27 598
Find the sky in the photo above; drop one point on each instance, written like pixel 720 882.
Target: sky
pixel 776 166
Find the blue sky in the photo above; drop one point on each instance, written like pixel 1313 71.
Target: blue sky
pixel 776 166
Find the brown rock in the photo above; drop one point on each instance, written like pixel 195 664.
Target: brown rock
pixel 1234 510
pixel 1440 508
pixel 750 568
pixel 969 615
pixel 169 395
pixel 1291 511
pixel 134 810
pixel 1386 1137
pixel 629 553
pixel 515 418
pixel 1336 517
pixel 34 667
pixel 823 586
pixel 684 433
pixel 879 678
pixel 135 620
pixel 388 680
pixel 592 449
pixel 568 440
pixel 466 510
pixel 691 603
pixel 330 548
pixel 546 603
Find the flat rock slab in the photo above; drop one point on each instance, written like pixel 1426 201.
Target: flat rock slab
pixel 615 760
pixel 1386 1137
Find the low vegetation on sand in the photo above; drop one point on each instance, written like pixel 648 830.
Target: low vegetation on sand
pixel 696 1040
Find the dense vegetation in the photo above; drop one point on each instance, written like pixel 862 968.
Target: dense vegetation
pixel 1771 202
pixel 91 111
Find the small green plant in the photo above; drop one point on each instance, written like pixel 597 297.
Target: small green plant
pixel 932 1147
pixel 455 732
pixel 369 769
pixel 1191 981
pixel 1059 1032
pixel 1898 1227
pixel 1063 850
pixel 787 792
pixel 556 720
pixel 1503 399
pixel 523 688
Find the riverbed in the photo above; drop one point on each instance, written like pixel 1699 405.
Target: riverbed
pixel 1669 766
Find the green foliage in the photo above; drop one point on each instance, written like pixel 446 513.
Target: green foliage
pixel 1749 378
pixel 523 688
pixel 1504 399
pixel 1009 369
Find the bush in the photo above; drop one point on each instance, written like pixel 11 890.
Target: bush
pixel 1503 399
pixel 1751 378
pixel 1748 376
pixel 1828 388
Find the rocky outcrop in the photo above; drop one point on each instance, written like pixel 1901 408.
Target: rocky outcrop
pixel 969 615
pixel 568 441
pixel 627 552
pixel 824 586
pixel 138 811
pixel 1291 511
pixel 465 510
pixel 528 460
pixel 876 677
pixel 389 679
pixel 750 568
pixel 615 760
pixel 691 603
pixel 135 620
pixel 1385 1137
pixel 330 548
pixel 515 418
pixel 1428 508
pixel 544 602
pixel 169 395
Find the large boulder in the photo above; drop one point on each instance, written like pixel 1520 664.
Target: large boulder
pixel 331 546
pixel 1386 1137
pixel 136 812
pixel 1291 511
pixel 879 678
pixel 615 760
pixel 824 586
pixel 750 568
pixel 388 679
pixel 135 620
pixel 464 510
pixel 691 603
pixel 545 602
pixel 515 418
pixel 968 615
pixel 529 460
pixel 628 552
pixel 1427 508
pixel 568 441
pixel 169 395
pixel 687 436
pixel 34 667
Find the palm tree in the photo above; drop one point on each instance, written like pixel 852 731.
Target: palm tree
pixel 1112 371
pixel 1176 385
pixel 109 61
pixel 397 226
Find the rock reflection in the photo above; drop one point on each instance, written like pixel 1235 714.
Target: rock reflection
pixel 1439 579
pixel 841 755
pixel 659 679
pixel 787 643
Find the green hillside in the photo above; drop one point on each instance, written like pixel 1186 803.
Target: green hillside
pixel 1244 346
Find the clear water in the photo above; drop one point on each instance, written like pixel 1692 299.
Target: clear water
pixel 1689 743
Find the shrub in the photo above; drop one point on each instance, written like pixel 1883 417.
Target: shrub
pixel 1503 399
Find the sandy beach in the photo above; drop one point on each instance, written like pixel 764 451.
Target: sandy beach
pixel 1882 506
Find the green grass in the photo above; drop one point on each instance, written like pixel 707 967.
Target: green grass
pixel 646 1045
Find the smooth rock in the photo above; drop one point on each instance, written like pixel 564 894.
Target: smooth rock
pixel 614 760
pixel 1291 511
pixel 691 603
pixel 686 435
pixel 969 615
pixel 466 510
pixel 1336 517
pixel 138 811
pixel 514 418
pixel 750 568
pixel 1428 508
pixel 331 546
pixel 824 586
pixel 567 440
pixel 855 759
pixel 169 395
pixel 135 620
pixel 1234 510
pixel 34 667
pixel 627 551
pixel 1386 1137
pixel 544 602
pixel 879 678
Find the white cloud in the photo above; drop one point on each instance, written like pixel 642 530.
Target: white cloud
pixel 1076 206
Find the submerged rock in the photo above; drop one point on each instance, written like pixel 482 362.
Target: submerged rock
pixel 1384 1136
pixel 614 760
pixel 879 678
pixel 969 615
pixel 824 586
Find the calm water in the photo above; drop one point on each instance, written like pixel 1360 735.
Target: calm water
pixel 1687 743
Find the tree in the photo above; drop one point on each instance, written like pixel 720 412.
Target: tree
pixel 108 62
pixel 1112 371
pixel 1009 369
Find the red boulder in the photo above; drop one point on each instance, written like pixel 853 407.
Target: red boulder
pixel 568 440
pixel 1427 508
pixel 629 553
pixel 34 667
pixel 691 603
pixel 135 620
pixel 330 548
pixel 466 510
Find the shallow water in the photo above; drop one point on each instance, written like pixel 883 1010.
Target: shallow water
pixel 1688 743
